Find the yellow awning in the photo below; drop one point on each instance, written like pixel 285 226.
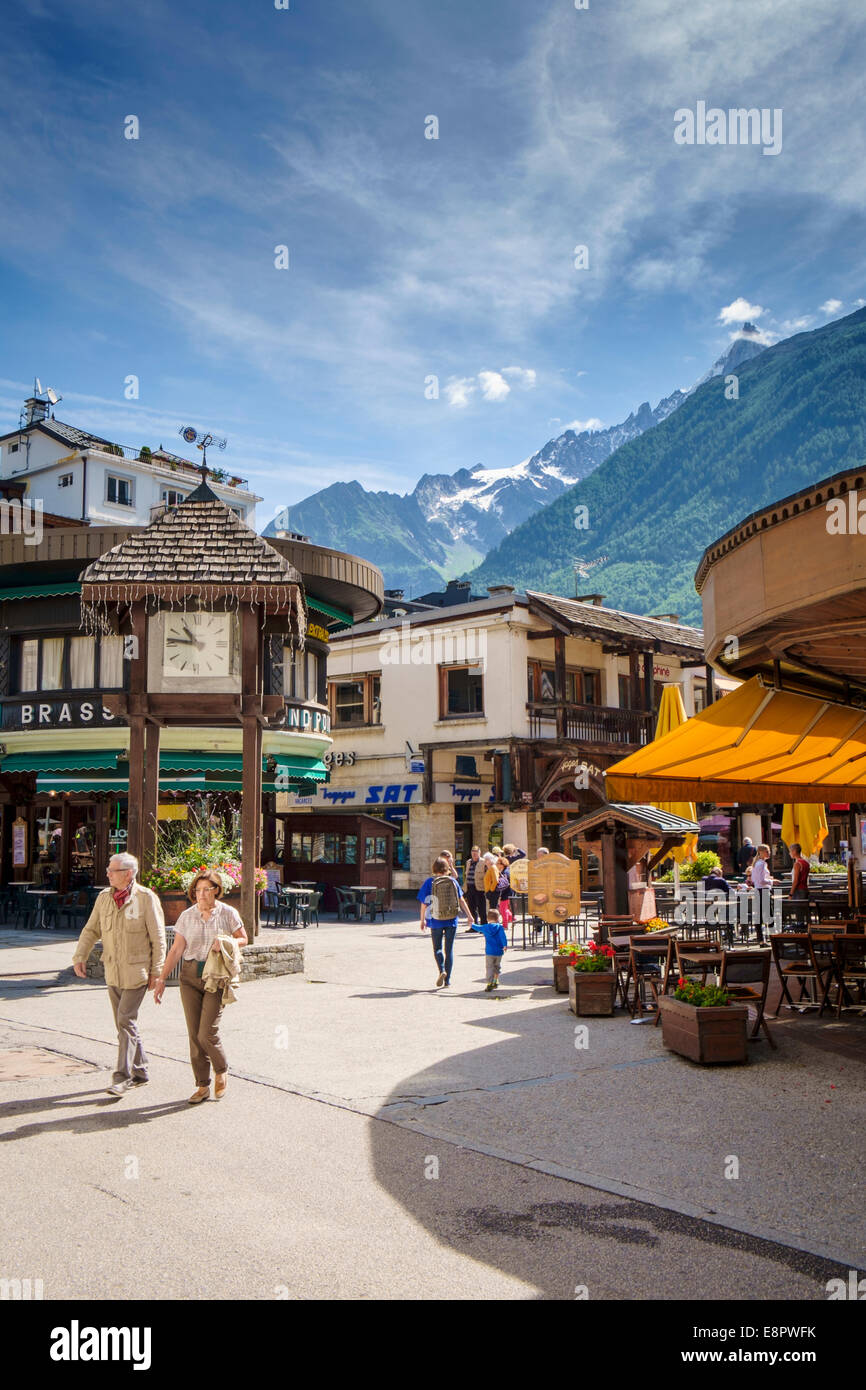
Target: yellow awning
pixel 672 715
pixel 756 744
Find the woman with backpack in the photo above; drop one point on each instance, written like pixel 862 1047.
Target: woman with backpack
pixel 441 901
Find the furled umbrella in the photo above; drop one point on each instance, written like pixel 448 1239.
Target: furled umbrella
pixel 805 824
pixel 672 713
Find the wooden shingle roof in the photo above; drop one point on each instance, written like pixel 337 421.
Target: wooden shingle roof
pixel 198 549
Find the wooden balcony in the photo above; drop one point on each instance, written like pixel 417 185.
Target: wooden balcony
pixel 599 724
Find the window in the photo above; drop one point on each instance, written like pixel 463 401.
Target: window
pixel 66 480
pixel 465 766
pixel 374 849
pixel 119 490
pixel 349 702
pixel 110 662
pixel 356 701
pixel 82 651
pixel 581 687
pixel 461 691
pixel 70 663
pixel 13 448
pixel 171 497
pixel 699 691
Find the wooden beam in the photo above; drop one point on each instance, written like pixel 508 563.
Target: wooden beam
pixel 135 804
pixel 559 683
pixel 541 636
pixel 711 684
pixel 65 846
pixel 648 681
pixel 251 785
pixel 150 797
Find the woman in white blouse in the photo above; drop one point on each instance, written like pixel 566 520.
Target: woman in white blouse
pixel 763 881
pixel 195 934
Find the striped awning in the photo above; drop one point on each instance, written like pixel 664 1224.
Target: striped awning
pixel 178 772
pixel 57 589
pixel 86 760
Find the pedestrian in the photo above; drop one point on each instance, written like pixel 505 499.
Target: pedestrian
pixel 762 881
pixel 127 918
pixel 504 889
pixel 491 882
pixel 197 933
pixel 541 851
pixel 496 944
pixel 799 874
pixel 480 898
pixel 470 892
pixel 745 855
pixel 441 901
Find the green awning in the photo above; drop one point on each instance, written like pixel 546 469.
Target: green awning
pixel 66 783
pixel 171 761
pixel 329 610
pixel 40 590
pixel 87 760
pixel 307 769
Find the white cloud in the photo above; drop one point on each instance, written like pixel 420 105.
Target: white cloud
pixel 739 310
pixel 580 426
pixel 524 376
pixel 859 303
pixel 798 325
pixel 831 306
pixel 493 385
pixel 459 389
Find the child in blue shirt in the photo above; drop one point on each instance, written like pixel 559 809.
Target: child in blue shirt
pixel 496 945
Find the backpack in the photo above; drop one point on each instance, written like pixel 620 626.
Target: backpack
pixel 444 899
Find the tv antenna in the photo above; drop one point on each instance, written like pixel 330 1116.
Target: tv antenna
pixel 203 440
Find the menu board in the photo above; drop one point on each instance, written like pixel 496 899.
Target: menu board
pixel 517 875
pixel 19 843
pixel 554 888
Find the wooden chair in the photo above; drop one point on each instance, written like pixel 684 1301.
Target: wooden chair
pixel 647 960
pixel 746 977
pixel 794 957
pixel 671 972
pixel 697 943
pixel 849 967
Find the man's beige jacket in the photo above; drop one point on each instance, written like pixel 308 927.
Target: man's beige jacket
pixel 133 937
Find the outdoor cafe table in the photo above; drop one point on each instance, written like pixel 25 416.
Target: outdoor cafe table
pixel 41 894
pixel 704 960
pixel 294 898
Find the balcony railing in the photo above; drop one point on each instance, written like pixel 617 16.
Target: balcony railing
pixel 590 723
pixel 176 464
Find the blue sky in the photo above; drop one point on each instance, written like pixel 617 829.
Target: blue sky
pixel 409 257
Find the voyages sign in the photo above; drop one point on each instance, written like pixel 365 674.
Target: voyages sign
pixel 56 714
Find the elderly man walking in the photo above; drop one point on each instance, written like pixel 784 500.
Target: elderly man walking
pixel 127 918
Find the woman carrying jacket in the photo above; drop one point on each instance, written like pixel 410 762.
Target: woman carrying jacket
pixel 195 934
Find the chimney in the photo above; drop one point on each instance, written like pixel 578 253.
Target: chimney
pixel 497 590
pixel 36 410
pixel 458 584
pixel 596 599
pixel 394 593
pixel 666 617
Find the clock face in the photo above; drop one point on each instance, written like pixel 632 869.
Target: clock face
pixel 197 644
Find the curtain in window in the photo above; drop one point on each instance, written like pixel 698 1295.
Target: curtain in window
pixel 111 662
pixel 29 664
pixel 52 662
pixel 81 656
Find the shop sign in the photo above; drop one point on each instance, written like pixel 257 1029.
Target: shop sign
pixel 309 721
pixel 335 758
pixel 318 633
pixel 19 843
pixel 358 798
pixel 663 672
pixel 460 795
pixel 53 714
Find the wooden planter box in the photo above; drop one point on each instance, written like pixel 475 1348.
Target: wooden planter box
pixel 591 993
pixel 708 1035
pixel 560 974
pixel 173 904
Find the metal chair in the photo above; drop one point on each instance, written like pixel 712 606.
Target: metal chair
pixel 271 908
pixel 308 908
pixel 347 905
pixel 376 905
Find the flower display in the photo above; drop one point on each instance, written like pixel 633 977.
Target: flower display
pixel 187 848
pixel 591 958
pixel 702 996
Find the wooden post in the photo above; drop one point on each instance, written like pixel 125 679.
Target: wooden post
pixel 150 798
pixel 711 684
pixel 100 839
pixel 137 696
pixel 634 680
pixel 648 688
pixel 135 804
pixel 251 784
pixel 559 684
pixel 608 874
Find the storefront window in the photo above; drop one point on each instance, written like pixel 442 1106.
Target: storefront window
pixel 81 659
pixel 52 663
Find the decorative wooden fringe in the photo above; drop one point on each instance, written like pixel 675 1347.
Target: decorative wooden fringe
pixel 98 601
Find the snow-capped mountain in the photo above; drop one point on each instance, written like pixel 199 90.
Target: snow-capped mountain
pixel 450 521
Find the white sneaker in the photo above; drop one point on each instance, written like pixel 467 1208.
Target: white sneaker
pixel 120 1087
pixel 440 982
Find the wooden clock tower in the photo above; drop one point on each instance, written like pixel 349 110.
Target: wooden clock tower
pixel 194 595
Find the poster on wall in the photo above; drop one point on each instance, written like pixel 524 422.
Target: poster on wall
pixel 19 844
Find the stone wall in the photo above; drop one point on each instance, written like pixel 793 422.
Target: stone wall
pixel 257 963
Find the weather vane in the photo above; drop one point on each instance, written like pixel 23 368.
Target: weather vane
pixel 202 441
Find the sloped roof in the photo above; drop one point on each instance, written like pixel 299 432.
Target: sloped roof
pixel 67 434
pixel 200 548
pixel 651 818
pixel 630 629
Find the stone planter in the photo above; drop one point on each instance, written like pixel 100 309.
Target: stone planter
pixel 591 993
pixel 708 1035
pixel 560 974
pixel 173 904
